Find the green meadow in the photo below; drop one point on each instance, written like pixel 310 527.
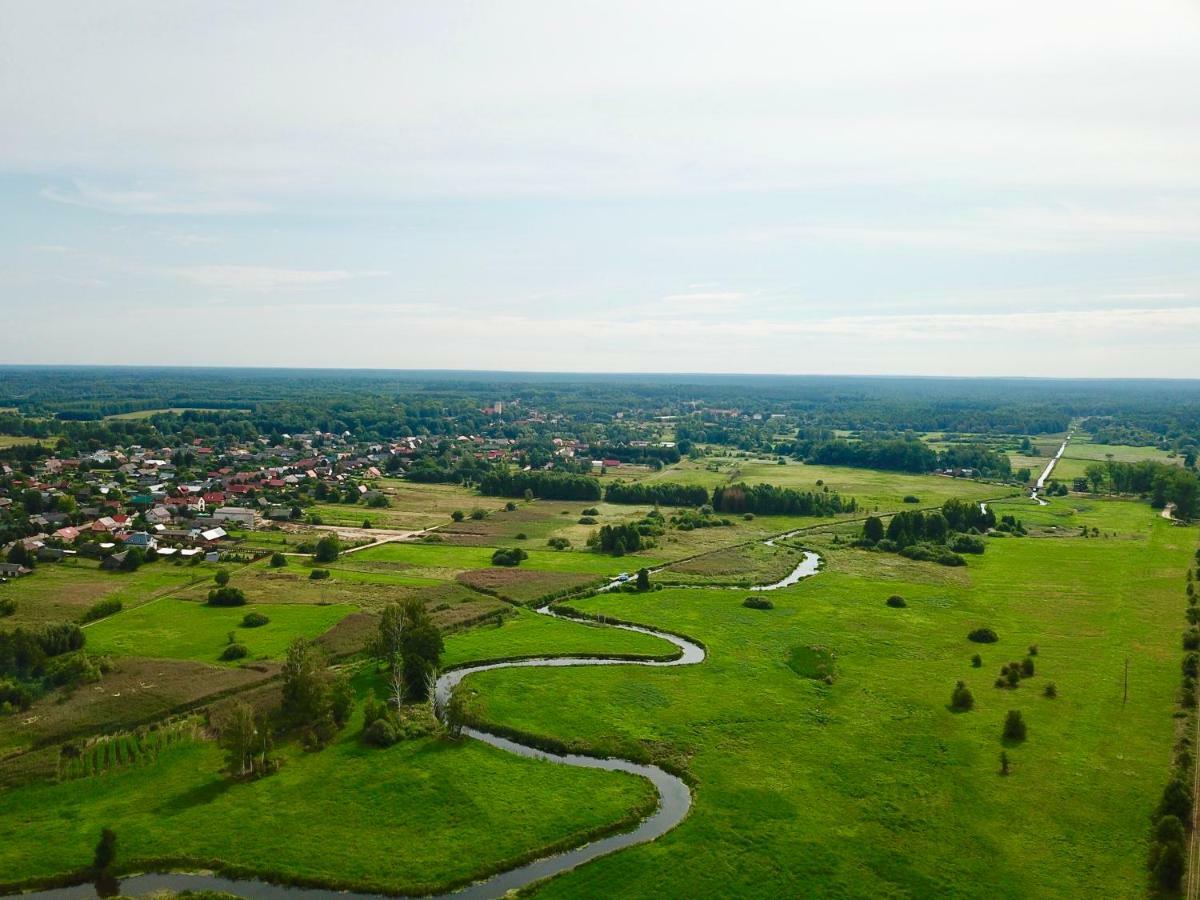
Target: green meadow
pixel 870 786
pixel 817 736
pixel 182 629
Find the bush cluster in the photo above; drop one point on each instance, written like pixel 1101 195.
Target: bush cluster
pixel 757 603
pixel 509 556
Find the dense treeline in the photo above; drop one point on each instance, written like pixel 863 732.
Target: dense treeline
pixel 936 536
pixel 768 499
pixel 904 455
pixel 33 659
pixel 1164 484
pixel 664 493
pixel 627 453
pixel 544 485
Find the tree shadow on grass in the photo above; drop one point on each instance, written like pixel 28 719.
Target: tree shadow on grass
pixel 198 796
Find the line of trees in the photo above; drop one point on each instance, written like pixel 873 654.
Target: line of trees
pixel 664 493
pixel 1163 483
pixel 904 455
pixel 545 485
pixel 769 499
pixel 1172 818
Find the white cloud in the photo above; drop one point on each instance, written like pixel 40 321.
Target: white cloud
pixel 188 201
pixel 263 278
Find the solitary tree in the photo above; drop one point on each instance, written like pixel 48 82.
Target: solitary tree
pixel 221 578
pixel 328 549
pixel 643 579
pixel 873 529
pixel 961 698
pixel 1014 726
pixel 420 647
pixel 239 739
pixel 307 695
pixel 106 852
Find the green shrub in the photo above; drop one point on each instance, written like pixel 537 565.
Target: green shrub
pixel 254 620
pixel 101 609
pixel 509 556
pixel 1014 726
pixel 381 733
pixel 1176 801
pixel 896 602
pixel 587 520
pixel 234 651
pixel 8 606
pixel 510 505
pixel 757 603
pixel 910 498
pixel 590 511
pixel 478 514
pixel 1050 690
pixel 1027 667
pixel 976 661
pixel 278 561
pixel 458 515
pixel 226 596
pixel 961 698
pixel 965 543
pixel 983 636
pixel 558 543
pixel 221 578
pixel 318 574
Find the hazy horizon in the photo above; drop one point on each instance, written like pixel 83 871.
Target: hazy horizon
pixel 858 189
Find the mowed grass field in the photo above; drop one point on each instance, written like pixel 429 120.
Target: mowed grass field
pixel 870 786
pixel 181 629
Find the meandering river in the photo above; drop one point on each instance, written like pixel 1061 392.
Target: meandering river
pixel 674 796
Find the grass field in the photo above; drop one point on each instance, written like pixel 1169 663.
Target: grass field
pixel 874 490
pixel 180 629
pixel 16 440
pixel 866 787
pixel 871 786
pixel 413 817
pixel 63 591
pixel 529 634
pixel 1081 453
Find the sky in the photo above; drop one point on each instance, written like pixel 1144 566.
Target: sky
pixel 930 187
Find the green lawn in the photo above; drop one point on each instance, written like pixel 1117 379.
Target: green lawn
pixel 181 629
pixel 872 787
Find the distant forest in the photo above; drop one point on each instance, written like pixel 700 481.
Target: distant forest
pixel 748 412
